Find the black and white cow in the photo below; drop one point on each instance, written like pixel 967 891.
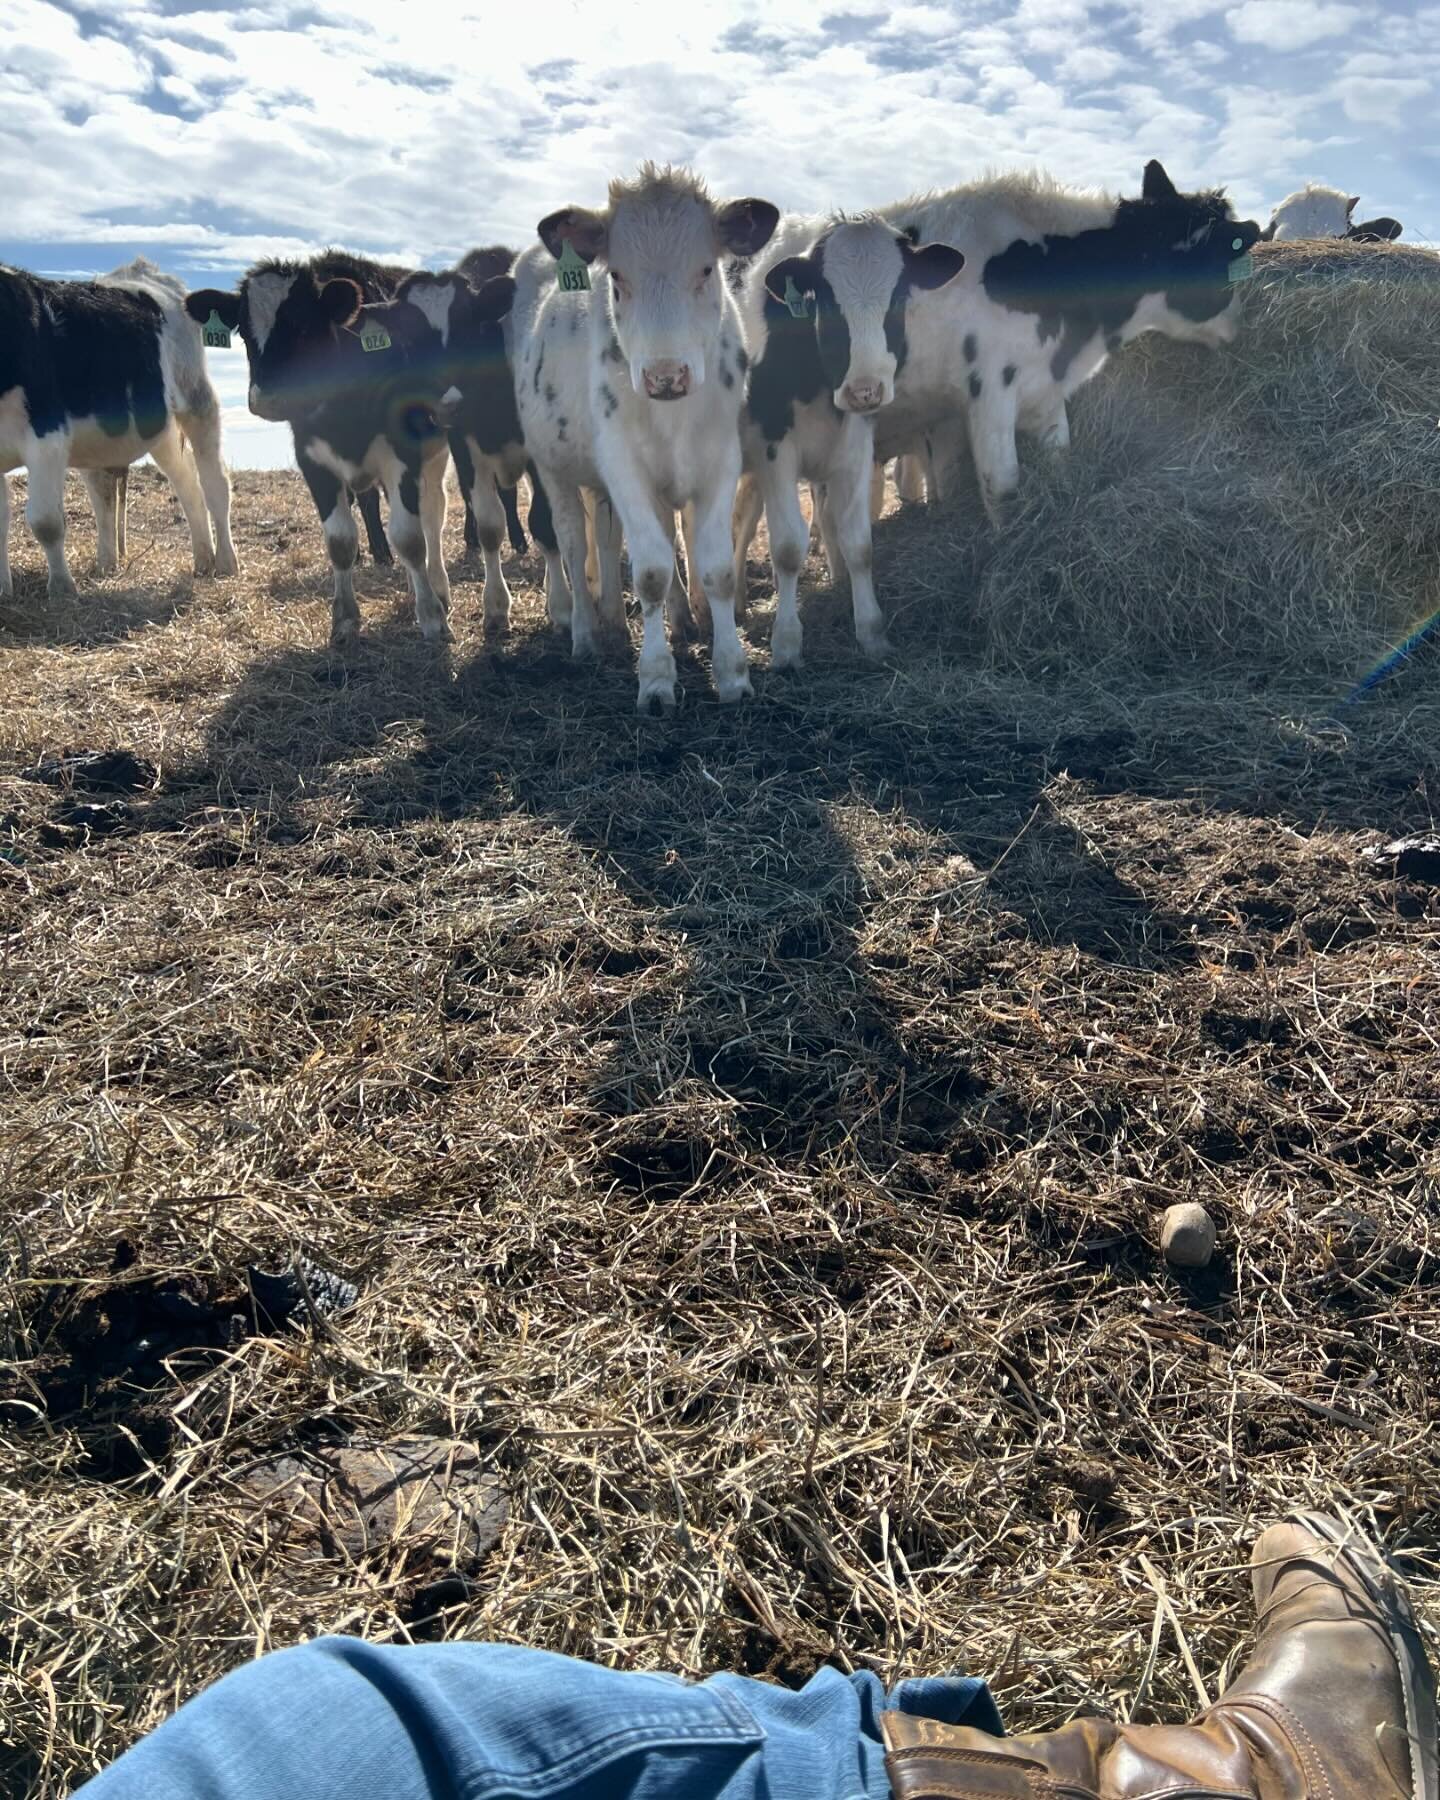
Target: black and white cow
pixel 1325 212
pixel 93 375
pixel 827 313
pixel 1056 279
pixel 630 384
pixel 284 332
pixel 361 385
pixel 478 267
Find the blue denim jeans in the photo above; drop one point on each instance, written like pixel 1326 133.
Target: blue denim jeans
pixel 340 1719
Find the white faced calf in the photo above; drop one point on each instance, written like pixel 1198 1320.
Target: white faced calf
pixel 1325 212
pixel 632 387
pixel 827 329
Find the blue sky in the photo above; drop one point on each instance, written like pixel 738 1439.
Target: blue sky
pixel 206 134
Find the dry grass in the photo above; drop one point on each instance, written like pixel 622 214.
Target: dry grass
pixel 751 1128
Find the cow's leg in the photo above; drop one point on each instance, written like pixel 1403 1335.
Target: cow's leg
pixel 945 443
pixel 649 531
pixel 592 549
pixel 910 477
pixel 608 539
pixel 749 506
pixel 542 527
pixel 789 541
pixel 850 495
pixel 380 552
pixel 710 547
pixel 203 431
pixel 484 498
pixel 417 523
pixel 825 524
pixel 465 477
pixel 514 530
pixel 568 509
pixel 991 420
pixel 342 546
pixel 699 612
pixel 45 509
pixel 877 490
pixel 122 503
pixel 103 489
pixel 1051 423
pixel 179 470
pixel 7 586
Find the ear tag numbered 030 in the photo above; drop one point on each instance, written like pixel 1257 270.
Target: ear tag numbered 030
pixel 574 276
pixel 215 332
pixel 798 303
pixel 374 337
pixel 1243 267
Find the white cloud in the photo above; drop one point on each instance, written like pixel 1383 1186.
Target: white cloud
pixel 1291 24
pixel 1373 100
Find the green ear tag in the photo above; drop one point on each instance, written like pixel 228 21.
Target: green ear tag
pixel 1237 243
pixel 574 276
pixel 1241 269
pixel 374 337
pixel 797 302
pixel 215 332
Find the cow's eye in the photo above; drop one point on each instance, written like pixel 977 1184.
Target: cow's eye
pixel 707 271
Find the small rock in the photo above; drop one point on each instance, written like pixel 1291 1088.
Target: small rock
pixel 431 1498
pixel 1187 1235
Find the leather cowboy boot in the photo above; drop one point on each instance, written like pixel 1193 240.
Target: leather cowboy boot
pixel 1336 1703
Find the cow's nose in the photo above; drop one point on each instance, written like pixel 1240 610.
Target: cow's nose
pixel 667 380
pixel 264 407
pixel 862 396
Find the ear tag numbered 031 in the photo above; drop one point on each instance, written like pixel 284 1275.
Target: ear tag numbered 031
pixel 574 276
pixel 374 337
pixel 215 332
pixel 798 303
pixel 1243 267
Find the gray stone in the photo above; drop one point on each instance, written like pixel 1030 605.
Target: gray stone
pixel 1187 1235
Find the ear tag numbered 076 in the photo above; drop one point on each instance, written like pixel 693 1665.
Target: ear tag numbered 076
pixel 574 276
pixel 215 332
pixel 798 303
pixel 1243 267
pixel 374 337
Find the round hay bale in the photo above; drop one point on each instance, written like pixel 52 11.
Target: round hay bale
pixel 1274 501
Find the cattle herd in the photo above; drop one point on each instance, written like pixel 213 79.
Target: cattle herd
pixel 668 355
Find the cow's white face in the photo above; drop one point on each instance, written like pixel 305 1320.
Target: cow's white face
pixel 862 267
pixel 662 243
pixel 1312 212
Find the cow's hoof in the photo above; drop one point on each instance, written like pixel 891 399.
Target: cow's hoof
pixel 786 652
pixel 226 566
pixel 383 559
pixel 878 648
pixel 657 694
pixel 205 565
pixel 497 625
pixel 61 590
pixel 731 689
pixel 345 637
pixel 585 648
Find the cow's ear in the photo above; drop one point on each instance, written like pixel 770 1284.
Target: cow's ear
pixel 1157 185
pixel 1351 204
pixel 494 298
pixel 795 274
pixel 746 226
pixel 584 231
pixel 932 265
pixel 341 300
pixel 204 301
pixel 1268 233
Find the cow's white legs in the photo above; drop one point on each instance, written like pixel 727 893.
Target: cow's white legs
pixel 179 470
pixel 850 495
pixel 342 545
pixel 1051 424
pixel 489 514
pixel 7 586
pixel 825 525
pixel 944 446
pixel 652 564
pixel 406 491
pixel 710 553
pixel 203 431
pixel 992 439
pixel 910 476
pixel 608 540
pixel 569 510
pixel 557 590
pixel 45 510
pixel 699 612
pixel 877 490
pixel 103 485
pixel 789 541
pixel 122 506
pixel 749 506
pixel 434 504
pixel 592 551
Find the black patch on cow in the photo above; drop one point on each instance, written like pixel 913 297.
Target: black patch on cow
pixel 1114 342
pixel 612 351
pixel 607 394
pixel 410 491
pixel 550 394
pixel 742 359
pixel 975 385
pixel 727 377
pixel 1178 245
pixel 970 346
pixel 769 453
pixel 542 520
pixel 539 370
pixel 787 372
pixel 1008 373
pixel 82 349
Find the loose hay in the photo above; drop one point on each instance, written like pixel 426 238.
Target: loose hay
pixel 752 1132
pixel 1276 501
